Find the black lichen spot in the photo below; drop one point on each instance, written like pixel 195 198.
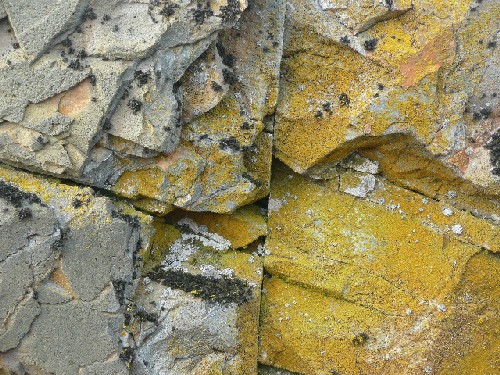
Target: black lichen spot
pixel 75 65
pixel 327 106
pixel 106 17
pixel 135 105
pixel 318 114
pixel 77 203
pixel 67 42
pixel 222 290
pixel 16 45
pixel 82 54
pixel 253 180
pixel 78 29
pixel 216 87
pixel 130 220
pixel 24 213
pixel 230 143
pixel 345 40
pixel 15 196
pixel 389 3
pixel 141 77
pixel 370 44
pixel 245 126
pixel 360 339
pixel 229 77
pixel 169 10
pixel 89 14
pixel 344 100
pixel 145 316
pixel 492 44
pixel 92 79
pixel 116 28
pixel 127 355
pixel 229 60
pixel 494 146
pixel 231 10
pixel 201 13
pixel 106 126
pixel 120 286
pixel 380 86
pixel 483 114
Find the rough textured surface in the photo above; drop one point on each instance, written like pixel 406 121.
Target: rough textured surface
pixel 67 267
pixel 249 187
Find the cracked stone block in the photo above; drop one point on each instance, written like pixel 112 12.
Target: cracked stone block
pixel 341 296
pixel 69 263
pixel 197 306
pixel 38 23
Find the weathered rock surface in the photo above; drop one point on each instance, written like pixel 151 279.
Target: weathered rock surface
pixel 67 268
pixel 369 283
pixel 249 187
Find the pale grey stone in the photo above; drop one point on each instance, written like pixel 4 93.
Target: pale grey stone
pixel 37 22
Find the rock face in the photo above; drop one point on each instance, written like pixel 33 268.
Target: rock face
pixel 249 187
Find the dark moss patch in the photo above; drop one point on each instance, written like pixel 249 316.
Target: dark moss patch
pixel 216 87
pixel 230 143
pixel 135 105
pixel 494 146
pixel 344 100
pixel 370 44
pixel 24 214
pixel 17 197
pixel 141 77
pixel 221 290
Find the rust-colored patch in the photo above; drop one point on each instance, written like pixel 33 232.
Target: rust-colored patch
pixel 440 51
pixel 60 278
pixel 76 99
pixel 461 160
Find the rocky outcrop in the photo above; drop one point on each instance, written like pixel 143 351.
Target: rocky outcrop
pixel 249 187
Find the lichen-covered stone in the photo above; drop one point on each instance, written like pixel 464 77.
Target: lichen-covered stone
pixel 197 306
pixel 343 89
pixel 362 282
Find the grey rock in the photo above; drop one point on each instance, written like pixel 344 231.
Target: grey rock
pixel 37 22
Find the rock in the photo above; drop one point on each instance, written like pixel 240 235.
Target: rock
pixel 352 91
pixel 69 263
pixel 197 307
pixel 341 296
pixel 36 33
